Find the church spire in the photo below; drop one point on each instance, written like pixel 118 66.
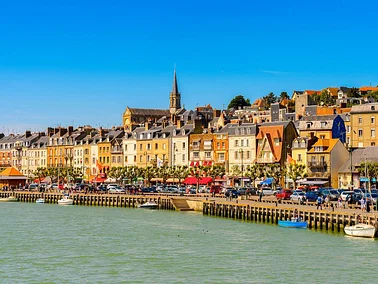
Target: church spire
pixel 175 96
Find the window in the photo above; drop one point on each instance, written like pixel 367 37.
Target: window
pixel 241 143
pixel 156 146
pixel 372 119
pixel 183 145
pixel 207 155
pixel 308 125
pixel 248 154
pixel 236 143
pixel 195 144
pixel 207 144
pixel 148 146
pixel 299 158
pixel 348 128
pixel 221 157
pixel 125 159
pixel 140 158
pixel 218 145
pixel 236 155
pixel 372 132
pixel 276 141
pixel 113 159
pixel 183 157
pixel 164 146
pixel 359 132
pixel 223 145
pixel 322 136
pixel 141 147
pixel 360 120
pixel 372 143
pixel 195 155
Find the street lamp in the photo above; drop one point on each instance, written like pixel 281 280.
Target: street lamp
pixel 241 152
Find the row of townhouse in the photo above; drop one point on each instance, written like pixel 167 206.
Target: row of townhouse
pixel 320 142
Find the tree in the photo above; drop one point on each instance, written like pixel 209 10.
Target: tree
pixel 181 173
pixel 369 170
pixel 324 98
pixel 274 171
pixel 296 171
pixel 40 172
pixel 216 171
pixel 116 173
pixel 270 99
pixel 374 95
pixel 148 173
pixel 238 101
pixel 283 96
pixel 253 172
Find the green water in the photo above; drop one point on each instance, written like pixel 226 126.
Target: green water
pixel 76 244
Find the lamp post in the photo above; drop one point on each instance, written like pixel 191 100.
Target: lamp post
pixel 241 152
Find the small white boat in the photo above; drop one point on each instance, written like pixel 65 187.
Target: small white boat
pixel 9 199
pixel 40 201
pixel 361 230
pixel 149 205
pixel 65 201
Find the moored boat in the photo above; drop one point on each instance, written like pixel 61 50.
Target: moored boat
pixel 361 230
pixel 293 223
pixel 40 201
pixel 149 205
pixel 9 199
pixel 65 200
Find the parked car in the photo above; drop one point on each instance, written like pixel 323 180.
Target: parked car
pixel 110 186
pixel 333 194
pixel 297 195
pixel 117 189
pixel 232 192
pixel 311 196
pixel 344 195
pixel 284 194
pixel 267 190
pixel 372 197
pixel 33 187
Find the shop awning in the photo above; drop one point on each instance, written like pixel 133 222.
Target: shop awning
pixel 202 180
pixel 267 181
pixel 315 182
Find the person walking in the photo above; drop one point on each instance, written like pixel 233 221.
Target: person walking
pixel 319 202
pixel 362 204
pixel 260 194
pixel 340 202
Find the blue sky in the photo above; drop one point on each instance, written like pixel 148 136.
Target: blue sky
pixel 82 62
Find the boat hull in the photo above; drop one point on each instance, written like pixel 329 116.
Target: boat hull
pixel 65 202
pixel 40 201
pixel 360 230
pixel 149 205
pixel 9 199
pixel 291 224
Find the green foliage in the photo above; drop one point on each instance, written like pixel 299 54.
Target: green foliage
pixel 238 101
pixel 270 99
pixel 283 96
pixel 323 99
pixel 374 95
pixel 295 172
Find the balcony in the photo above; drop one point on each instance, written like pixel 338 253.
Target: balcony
pixel 317 164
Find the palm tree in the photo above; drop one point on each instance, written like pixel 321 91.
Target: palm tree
pixel 40 173
pixel 164 172
pixel 181 172
pixel 217 171
pixel 116 173
pixel 296 171
pixel 148 174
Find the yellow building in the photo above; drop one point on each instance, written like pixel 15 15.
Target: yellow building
pixel 363 125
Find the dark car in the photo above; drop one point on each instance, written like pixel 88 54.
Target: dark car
pixel 311 196
pixel 232 192
pixel 148 190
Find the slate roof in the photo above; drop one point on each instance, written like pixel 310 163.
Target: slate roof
pixel 358 157
pixel 149 111
pixel 365 108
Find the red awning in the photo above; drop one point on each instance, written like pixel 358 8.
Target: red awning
pixel 191 163
pixel 202 180
pixel 197 164
pixel 99 180
pixel 204 163
pixel 209 163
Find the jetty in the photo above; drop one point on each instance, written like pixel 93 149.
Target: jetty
pixel 268 210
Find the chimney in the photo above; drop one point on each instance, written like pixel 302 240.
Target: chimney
pixel 50 131
pixel 147 125
pixel 197 124
pixel 27 133
pixel 101 132
pixel 180 123
pixel 70 130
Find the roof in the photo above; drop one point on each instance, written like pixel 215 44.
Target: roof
pixel 327 144
pixel 368 88
pixel 371 107
pixel 149 112
pixel 11 172
pixel 334 91
pixel 358 156
pixel 311 92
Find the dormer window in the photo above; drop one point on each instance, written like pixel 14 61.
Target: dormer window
pixel 372 107
pixel 308 125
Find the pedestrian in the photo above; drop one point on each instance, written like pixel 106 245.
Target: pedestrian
pixel 340 202
pixel 368 206
pixel 260 195
pixel 326 201
pixel 362 204
pixel 319 202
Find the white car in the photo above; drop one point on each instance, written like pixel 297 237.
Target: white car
pixel 110 186
pixel 116 190
pixel 267 191
pixel 345 194
pixel 297 195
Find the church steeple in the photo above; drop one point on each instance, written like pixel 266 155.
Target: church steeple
pixel 175 96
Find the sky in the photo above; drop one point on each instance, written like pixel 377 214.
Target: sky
pixel 82 62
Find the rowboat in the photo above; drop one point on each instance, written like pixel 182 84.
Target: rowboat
pixel 293 223
pixel 361 230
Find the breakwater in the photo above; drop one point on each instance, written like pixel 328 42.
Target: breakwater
pixel 249 210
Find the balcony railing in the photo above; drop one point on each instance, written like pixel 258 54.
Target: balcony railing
pixel 317 164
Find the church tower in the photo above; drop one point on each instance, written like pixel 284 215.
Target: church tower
pixel 175 96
